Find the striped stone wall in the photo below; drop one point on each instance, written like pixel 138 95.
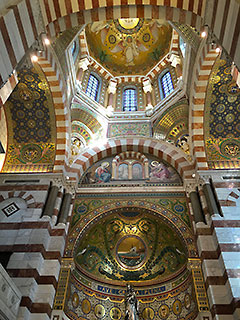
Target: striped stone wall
pixel 36 246
pixel 62 111
pixel 222 16
pixel 218 247
pixel 202 70
pixel 19 27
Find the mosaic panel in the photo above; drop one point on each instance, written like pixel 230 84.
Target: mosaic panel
pixel 175 203
pixel 130 171
pixel 130 245
pixel 128 46
pixel 84 303
pixel 222 113
pixel 129 129
pixel 83 216
pixel 31 124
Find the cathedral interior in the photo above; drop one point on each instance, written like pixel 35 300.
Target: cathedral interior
pixel 119 159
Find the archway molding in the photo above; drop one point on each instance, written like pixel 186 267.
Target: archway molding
pixel 161 149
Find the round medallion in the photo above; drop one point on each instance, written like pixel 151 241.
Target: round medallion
pixel 115 313
pixel 219 128
pixel 179 208
pixel 220 108
pixel 86 306
pixel 75 300
pixel 41 133
pixel 163 311
pixel 31 153
pixel 148 314
pixel 177 307
pixel 187 301
pixel 146 37
pixel 22 133
pixel 230 148
pixel 230 118
pixel 39 113
pixel 25 94
pixel 20 114
pixel 99 311
pixel 112 39
pixel 131 251
pixel 82 209
pixel 29 78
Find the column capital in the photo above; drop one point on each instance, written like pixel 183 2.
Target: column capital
pixel 203 179
pixel 147 86
pixel 190 186
pixel 112 86
pixel 84 63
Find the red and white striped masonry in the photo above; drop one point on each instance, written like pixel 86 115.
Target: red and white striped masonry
pixel 18 27
pixel 59 16
pixel 18 31
pixel 36 249
pixel 62 112
pixel 7 88
pixel 220 252
pixel 83 44
pixel 163 150
pixel 222 17
pixel 203 69
pixel 175 43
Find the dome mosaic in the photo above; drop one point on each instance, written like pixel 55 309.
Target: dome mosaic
pixel 128 46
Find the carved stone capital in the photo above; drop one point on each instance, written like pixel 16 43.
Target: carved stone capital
pixel 83 64
pixel 147 86
pixel 112 86
pixel 190 186
pixel 149 110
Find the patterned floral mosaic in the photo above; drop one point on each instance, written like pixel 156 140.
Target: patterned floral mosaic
pixel 31 124
pixel 223 115
pixel 129 129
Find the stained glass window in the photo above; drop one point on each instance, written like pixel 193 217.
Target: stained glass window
pixel 129 99
pixel 167 85
pixel 92 87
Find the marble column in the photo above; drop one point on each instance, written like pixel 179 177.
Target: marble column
pixel 211 203
pixel 51 200
pixel 112 88
pixel 196 207
pixel 64 211
pixel 147 88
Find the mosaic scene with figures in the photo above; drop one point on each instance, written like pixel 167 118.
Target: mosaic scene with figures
pixel 119 160
pixel 130 167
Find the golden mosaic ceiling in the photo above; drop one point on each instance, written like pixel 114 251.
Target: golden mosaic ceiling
pixel 128 46
pixel 131 246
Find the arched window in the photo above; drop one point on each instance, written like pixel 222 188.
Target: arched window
pixel 182 45
pixel 92 87
pixel 130 99
pixel 166 84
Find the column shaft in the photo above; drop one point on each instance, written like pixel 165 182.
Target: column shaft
pixel 66 203
pixel 196 207
pixel 51 200
pixel 211 203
